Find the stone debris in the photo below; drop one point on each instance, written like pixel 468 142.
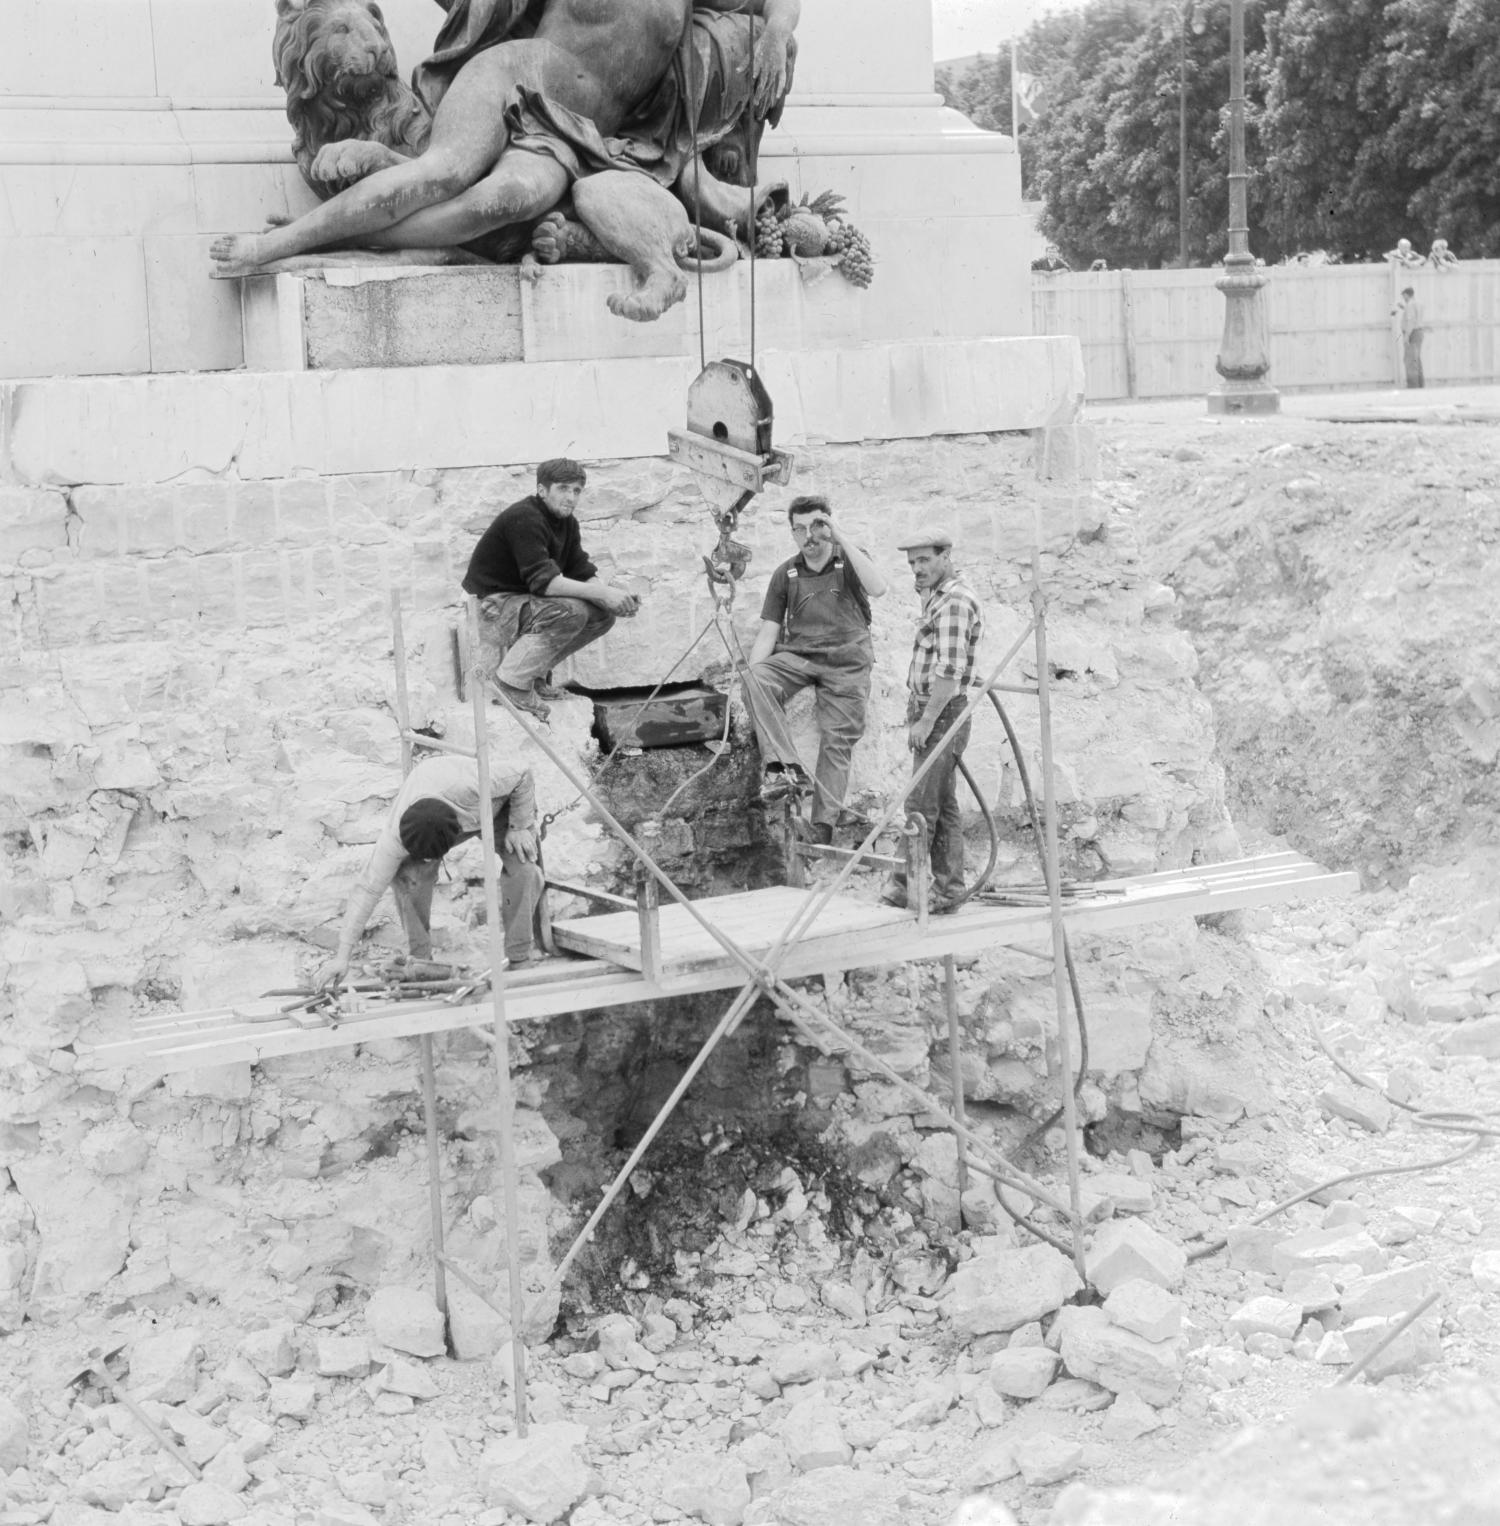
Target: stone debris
pixel 542 1477
pixel 270 1351
pixel 475 1330
pixel 1022 1372
pixel 1117 1359
pixel 343 1356
pixel 1267 1315
pixel 206 1504
pixel 833 1497
pixel 1326 1247
pixel 1047 1459
pixel 14 1436
pixel 707 1487
pixel 1001 1289
pixel 1417 1346
pixel 1129 1418
pixel 165 1366
pixel 813 1436
pixel 1485 1270
pixel 1480 1037
pixel 1126 1249
pixel 1361 1106
pixel 1146 1309
pixel 1386 1293
pixel 1121 1192
pixel 406 1320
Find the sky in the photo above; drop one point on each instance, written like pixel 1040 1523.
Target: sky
pixel 961 27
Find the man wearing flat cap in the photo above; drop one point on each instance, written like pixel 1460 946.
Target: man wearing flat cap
pixel 437 808
pixel 540 598
pixel 938 681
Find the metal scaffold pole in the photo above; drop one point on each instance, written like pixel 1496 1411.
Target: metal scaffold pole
pixel 478 692
pixel 1054 901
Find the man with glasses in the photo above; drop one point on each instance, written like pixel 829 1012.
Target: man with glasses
pixel 814 633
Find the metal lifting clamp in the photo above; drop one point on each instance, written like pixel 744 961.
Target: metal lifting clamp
pixel 727 447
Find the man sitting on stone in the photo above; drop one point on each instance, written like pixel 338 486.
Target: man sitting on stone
pixel 540 597
pixel 814 632
pixel 437 808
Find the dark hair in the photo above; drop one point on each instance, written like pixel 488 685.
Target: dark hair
pixel 808 503
pixel 429 828
pixel 560 469
pixel 1408 291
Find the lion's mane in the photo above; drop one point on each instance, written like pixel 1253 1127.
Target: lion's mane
pixel 321 103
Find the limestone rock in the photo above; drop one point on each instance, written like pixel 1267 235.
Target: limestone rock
pixel 813 1436
pixel 1129 1418
pixel 1266 1315
pixel 1312 1288
pixel 1250 1247
pixel 1046 1459
pixel 992 1463
pixel 1123 1191
pixel 768 1464
pixel 1386 1293
pixel 440 1457
pixel 270 1351
pixel 1022 1372
pixel 1145 1309
pixel 1481 1037
pixel 1416 1347
pixel 1361 1106
pixel 228 1470
pixel 1121 1361
pixel 708 1487
pixel 1126 1248
pixel 1320 1247
pixel 293 1398
pixel 240 1380
pixel 1485 1270
pixel 165 1367
pixel 14 1436
pixel 206 1504
pixel 343 1356
pixel 802 1362
pixel 117 1481
pixel 409 1378
pixel 406 1319
pixel 476 1330
pixel 833 1497
pixel 1001 1289
pixel 540 1478
pixel 344 1513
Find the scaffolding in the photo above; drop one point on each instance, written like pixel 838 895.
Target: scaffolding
pixel 636 954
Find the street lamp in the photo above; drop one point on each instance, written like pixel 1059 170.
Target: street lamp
pixel 1187 14
pixel 1243 359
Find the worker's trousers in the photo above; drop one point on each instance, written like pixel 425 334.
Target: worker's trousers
pixel 523 636
pixel 840 699
pixel 936 798
pixel 520 889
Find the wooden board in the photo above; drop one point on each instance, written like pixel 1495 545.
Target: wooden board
pixel 851 933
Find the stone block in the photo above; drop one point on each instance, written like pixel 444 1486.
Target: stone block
pixel 475 1330
pixel 833 1497
pixel 270 1351
pixel 991 1463
pixel 813 1436
pixel 1001 1289
pixel 31 520
pixel 1357 1105
pixel 541 1477
pixel 802 1363
pixel 165 1367
pixel 1306 1171
pixel 1485 1270
pixel 1312 1288
pixel 343 1356
pixel 1281 1317
pixel 1146 1309
pixel 1416 1347
pixel 1481 1037
pixel 1122 1191
pixel 1386 1293
pixel 1022 1372
pixel 406 1320
pixel 1127 1248
pixel 1046 1459
pixel 1128 1419
pixel 1327 1247
pixel 14 1436
pixel 706 1486
pixel 1117 1359
pixel 293 1398
pixel 206 1504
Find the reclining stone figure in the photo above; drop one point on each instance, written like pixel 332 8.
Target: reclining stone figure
pixel 532 99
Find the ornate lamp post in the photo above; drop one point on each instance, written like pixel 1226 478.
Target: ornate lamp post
pixel 1243 359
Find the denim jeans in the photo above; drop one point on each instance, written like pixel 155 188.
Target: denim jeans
pixel 523 636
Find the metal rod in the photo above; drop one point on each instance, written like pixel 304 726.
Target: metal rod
pixel 1350 1373
pixel 950 1004
pixel 1054 896
pixel 477 690
pixel 403 707
pixel 434 1176
pixel 100 1374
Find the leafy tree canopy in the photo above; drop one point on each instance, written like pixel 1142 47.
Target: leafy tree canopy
pixel 1368 120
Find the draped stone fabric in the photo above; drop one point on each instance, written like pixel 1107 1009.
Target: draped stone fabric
pixel 657 135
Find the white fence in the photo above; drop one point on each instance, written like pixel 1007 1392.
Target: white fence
pixel 1156 333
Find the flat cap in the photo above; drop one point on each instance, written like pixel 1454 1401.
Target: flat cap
pixel 936 536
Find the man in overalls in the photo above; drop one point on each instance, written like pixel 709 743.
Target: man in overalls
pixel 814 631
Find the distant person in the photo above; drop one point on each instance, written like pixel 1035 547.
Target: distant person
pixel 1099 265
pixel 1404 255
pixel 1440 256
pixel 436 808
pixel 1051 261
pixel 540 597
pixel 938 681
pixel 1409 320
pixel 814 633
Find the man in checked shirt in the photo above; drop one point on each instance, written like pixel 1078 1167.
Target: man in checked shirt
pixel 942 669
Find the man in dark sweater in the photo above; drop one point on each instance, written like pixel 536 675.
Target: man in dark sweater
pixel 540 598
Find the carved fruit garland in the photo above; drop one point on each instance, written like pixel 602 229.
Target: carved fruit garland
pixel 814 230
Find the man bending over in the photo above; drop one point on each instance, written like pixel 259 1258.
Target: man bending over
pixel 540 598
pixel 436 809
pixel 814 632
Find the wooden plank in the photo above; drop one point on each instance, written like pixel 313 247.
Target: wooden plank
pixel 850 934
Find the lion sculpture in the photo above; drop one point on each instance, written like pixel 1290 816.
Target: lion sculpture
pixel 531 114
pixel 335 61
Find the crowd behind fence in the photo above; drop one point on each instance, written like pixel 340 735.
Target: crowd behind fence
pixel 1156 333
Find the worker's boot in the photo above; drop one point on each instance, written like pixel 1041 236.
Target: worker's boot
pixel 525 700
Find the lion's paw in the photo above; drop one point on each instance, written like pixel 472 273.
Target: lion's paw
pixel 350 159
